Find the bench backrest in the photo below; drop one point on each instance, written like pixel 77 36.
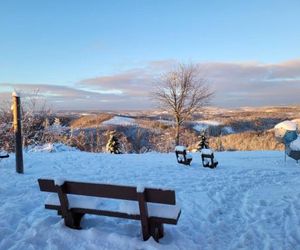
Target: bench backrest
pixel 4 156
pixel 110 191
pixel 211 156
pixel 183 152
pixel 179 152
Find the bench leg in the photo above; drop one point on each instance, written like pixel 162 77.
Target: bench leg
pixel 156 230
pixel 73 220
pixel 77 219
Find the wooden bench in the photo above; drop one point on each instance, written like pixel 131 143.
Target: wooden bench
pixel 208 159
pixel 153 207
pixel 4 156
pixel 182 156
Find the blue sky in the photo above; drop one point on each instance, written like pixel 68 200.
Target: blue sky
pixel 50 44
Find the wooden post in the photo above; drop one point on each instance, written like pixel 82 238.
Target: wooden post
pixel 284 153
pixel 144 214
pixel 18 132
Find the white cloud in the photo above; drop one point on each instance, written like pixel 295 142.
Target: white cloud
pixel 235 84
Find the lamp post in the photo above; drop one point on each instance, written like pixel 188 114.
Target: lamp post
pixel 16 108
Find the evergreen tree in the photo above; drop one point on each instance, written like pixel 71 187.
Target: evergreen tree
pixel 113 146
pixel 46 123
pixel 56 127
pixel 203 143
pixel 57 122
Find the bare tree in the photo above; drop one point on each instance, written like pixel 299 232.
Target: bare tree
pixel 34 115
pixel 181 93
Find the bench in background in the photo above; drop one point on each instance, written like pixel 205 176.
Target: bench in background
pixel 208 158
pixel 182 156
pixel 4 156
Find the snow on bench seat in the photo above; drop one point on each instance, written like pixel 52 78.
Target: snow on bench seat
pixel 180 148
pixel 114 205
pixel 181 157
pixel 206 151
pixel 189 156
pixel 154 207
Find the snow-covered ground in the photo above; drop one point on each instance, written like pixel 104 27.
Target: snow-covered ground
pixel 120 120
pixel 167 122
pixel 204 124
pixel 250 201
pixel 227 130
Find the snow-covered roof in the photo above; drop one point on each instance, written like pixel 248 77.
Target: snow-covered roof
pixel 287 125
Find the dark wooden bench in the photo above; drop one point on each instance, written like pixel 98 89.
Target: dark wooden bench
pixel 73 199
pixel 182 156
pixel 4 156
pixel 208 158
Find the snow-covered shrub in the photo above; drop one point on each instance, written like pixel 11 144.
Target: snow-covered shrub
pixel 35 122
pixel 162 141
pixel 6 132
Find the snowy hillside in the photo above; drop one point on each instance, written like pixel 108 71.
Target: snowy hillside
pixel 120 120
pixel 202 125
pixel 250 201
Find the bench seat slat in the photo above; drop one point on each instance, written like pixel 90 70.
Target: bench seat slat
pixel 166 220
pixel 97 212
pixel 117 214
pixel 130 209
pixel 107 213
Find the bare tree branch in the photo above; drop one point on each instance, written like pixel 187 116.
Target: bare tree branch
pixel 182 92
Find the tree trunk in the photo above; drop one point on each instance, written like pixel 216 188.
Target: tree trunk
pixel 177 133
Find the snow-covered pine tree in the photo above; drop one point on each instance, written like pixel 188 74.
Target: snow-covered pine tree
pixel 56 128
pixel 57 122
pixel 113 146
pixel 203 143
pixel 46 123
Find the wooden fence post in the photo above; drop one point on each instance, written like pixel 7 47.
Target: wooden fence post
pixel 18 132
